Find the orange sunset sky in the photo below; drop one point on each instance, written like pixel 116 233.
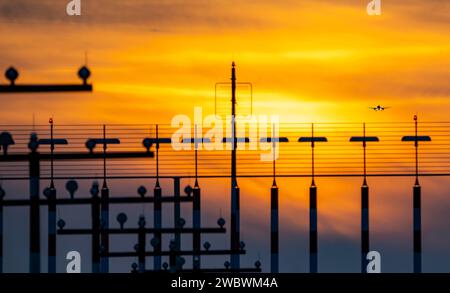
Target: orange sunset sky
pixel 320 60
pixel 308 61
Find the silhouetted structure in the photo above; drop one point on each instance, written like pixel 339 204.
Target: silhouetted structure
pixel 417 190
pixel 235 190
pixel 313 234
pixel 50 193
pixel 274 217
pixel 100 230
pixel 364 200
pixel 99 207
pixel 12 74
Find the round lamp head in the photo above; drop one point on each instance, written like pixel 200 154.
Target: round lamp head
pixel 11 74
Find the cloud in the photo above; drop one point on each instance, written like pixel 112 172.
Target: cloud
pixel 155 14
pixel 185 15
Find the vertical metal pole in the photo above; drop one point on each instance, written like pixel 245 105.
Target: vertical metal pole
pixel 417 217
pixel 157 225
pixel 52 230
pixel 141 244
pixel 172 258
pixel 35 241
pixel 274 242
pixel 104 260
pixel 196 216
pixel 196 225
pixel 313 237
pixel 274 238
pixel 235 260
pixel 104 226
pixel 364 227
pixel 177 210
pixel 313 247
pixel 51 211
pixel 364 214
pixel 157 211
pixel 95 213
pixel 417 229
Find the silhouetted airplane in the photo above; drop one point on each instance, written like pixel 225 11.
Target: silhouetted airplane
pixel 379 108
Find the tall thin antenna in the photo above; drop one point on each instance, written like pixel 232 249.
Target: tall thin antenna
pixel 274 146
pixel 312 155
pixel 196 154
pixel 157 157
pixel 274 221
pixel 417 194
pixel 313 234
pixel 364 148
pixel 416 145
pixel 364 200
pixel 235 259
pixel 233 122
pixel 51 200
pixel 52 148
pixel 104 156
pixel 51 209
